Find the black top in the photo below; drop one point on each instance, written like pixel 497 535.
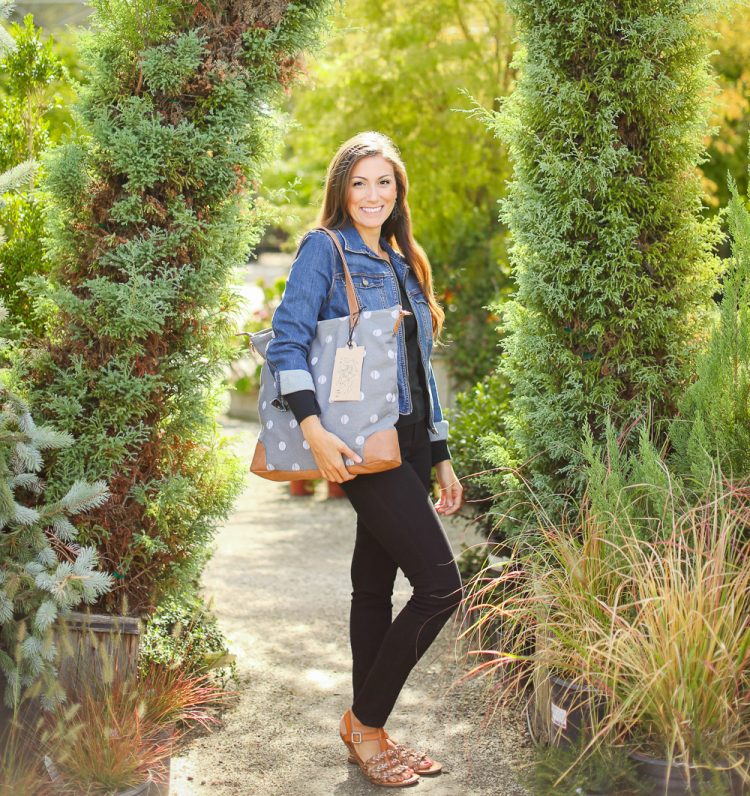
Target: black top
pixel 417 381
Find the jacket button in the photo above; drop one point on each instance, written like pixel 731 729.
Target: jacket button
pixel 365 282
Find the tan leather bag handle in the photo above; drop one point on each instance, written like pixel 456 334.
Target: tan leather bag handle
pixel 351 293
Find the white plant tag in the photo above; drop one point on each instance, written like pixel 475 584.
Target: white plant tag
pixel 346 381
pixel 559 716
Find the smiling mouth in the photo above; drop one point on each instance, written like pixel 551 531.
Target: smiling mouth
pixel 372 210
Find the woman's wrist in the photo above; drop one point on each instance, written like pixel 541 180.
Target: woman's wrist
pixel 311 426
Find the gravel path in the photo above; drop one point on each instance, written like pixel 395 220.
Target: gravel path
pixel 279 581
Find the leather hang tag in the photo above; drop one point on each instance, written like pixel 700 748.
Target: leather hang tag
pixel 346 381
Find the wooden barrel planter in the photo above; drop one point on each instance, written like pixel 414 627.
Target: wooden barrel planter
pixel 90 642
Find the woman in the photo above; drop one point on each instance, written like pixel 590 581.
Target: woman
pixel 397 524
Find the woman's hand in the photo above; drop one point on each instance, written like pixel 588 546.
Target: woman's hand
pixel 451 491
pixel 327 450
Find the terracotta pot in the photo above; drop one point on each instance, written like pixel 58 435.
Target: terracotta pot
pixel 301 488
pixel 335 490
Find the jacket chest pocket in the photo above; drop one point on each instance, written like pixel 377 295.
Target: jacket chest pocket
pixel 421 309
pixel 370 290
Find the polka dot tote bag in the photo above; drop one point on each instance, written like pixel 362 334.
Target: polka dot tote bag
pixel 366 424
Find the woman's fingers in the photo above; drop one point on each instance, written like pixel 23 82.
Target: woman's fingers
pixel 329 455
pixel 451 498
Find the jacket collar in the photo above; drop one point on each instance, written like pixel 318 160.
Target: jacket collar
pixel 353 242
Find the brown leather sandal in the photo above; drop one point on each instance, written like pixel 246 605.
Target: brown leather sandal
pixel 382 767
pixel 418 762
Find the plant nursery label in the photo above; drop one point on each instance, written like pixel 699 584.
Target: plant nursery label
pixel 559 717
pixel 347 373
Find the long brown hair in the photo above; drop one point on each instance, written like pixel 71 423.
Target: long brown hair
pixel 397 227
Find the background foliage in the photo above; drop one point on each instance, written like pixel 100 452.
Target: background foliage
pixel 31 78
pixel 403 69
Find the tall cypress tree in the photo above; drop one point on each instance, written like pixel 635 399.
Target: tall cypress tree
pixel 613 260
pixel 152 212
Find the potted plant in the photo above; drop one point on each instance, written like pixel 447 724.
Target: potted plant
pixel 120 735
pixel 677 669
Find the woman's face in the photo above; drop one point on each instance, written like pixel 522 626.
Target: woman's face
pixel 372 192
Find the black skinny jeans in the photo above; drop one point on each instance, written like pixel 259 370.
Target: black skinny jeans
pixel 397 526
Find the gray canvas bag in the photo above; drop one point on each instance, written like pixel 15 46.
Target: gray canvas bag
pixel 365 425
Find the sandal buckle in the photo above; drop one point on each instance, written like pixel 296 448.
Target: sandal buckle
pixel 358 738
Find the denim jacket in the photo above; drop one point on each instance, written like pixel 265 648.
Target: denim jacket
pixel 315 291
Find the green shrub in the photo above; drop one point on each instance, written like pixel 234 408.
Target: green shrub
pixel 184 632
pixel 478 411
pixel 713 427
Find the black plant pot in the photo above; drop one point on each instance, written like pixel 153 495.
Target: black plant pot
pixel 675 781
pixel 575 710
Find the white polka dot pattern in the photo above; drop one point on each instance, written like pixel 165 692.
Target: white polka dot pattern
pixel 374 404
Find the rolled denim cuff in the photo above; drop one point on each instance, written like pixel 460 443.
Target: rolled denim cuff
pixel 440 451
pixel 441 427
pixel 294 380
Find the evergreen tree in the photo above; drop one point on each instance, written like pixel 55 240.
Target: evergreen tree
pixel 614 264
pixel 42 568
pixel 151 216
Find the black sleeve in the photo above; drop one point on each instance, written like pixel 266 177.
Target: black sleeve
pixel 303 403
pixel 440 451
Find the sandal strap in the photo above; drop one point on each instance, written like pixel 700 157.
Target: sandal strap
pixel 384 767
pixel 357 737
pixel 411 757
